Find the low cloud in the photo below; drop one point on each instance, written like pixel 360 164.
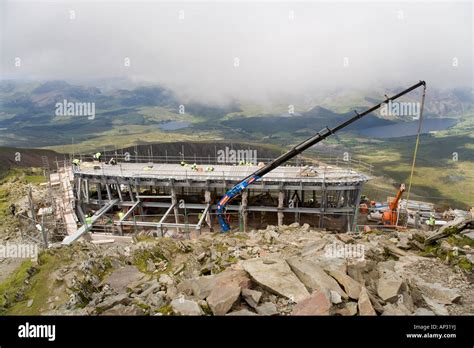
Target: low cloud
pixel 216 51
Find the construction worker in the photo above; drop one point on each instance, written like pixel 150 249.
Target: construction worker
pixel 97 156
pixel 76 165
pixel 210 169
pixel 183 164
pixel 194 167
pixel 88 220
pixel 431 222
pixel 120 215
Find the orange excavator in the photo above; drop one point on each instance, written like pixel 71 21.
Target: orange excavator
pixel 390 217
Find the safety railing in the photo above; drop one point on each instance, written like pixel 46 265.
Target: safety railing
pixel 339 161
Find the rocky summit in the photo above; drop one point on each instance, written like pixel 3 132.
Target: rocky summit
pixel 286 270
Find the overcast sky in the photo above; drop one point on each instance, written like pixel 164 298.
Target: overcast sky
pixel 278 47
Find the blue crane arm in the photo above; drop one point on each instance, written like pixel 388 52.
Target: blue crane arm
pixel 229 195
pixel 319 136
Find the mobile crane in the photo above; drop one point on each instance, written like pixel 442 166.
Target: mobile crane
pixel 390 216
pixel 296 150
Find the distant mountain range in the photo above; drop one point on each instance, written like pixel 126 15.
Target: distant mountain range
pixel 28 118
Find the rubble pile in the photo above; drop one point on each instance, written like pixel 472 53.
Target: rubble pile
pixel 286 270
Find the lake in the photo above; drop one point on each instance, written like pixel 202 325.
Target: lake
pixel 408 128
pixel 173 125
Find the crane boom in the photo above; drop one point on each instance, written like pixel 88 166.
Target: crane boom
pixel 297 149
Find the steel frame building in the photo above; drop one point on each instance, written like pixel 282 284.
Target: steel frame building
pixel 320 190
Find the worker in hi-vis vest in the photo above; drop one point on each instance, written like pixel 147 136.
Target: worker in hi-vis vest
pixel 76 165
pixel 97 156
pixel 432 222
pixel 88 220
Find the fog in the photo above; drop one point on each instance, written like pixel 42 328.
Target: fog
pixel 218 51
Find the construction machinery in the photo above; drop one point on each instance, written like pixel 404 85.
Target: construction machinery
pixel 390 216
pixel 296 150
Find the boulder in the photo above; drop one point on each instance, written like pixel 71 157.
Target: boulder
pixel 222 297
pixel 417 245
pixel 165 279
pixel 404 243
pixel 125 277
pixel 242 312
pixel 349 309
pixel 351 287
pixel 345 238
pixel 186 307
pixel 331 263
pixel 112 301
pixel 316 304
pixel 252 297
pixel 185 287
pixel 396 309
pixel 389 287
pixel 364 304
pixel 314 247
pixel 362 271
pixel 376 302
pixel 445 246
pixel 423 311
pixel 171 292
pixel 335 297
pixel 437 308
pixel 156 300
pixel 267 308
pixel 392 249
pixel 203 286
pixel 314 277
pixel 151 288
pixel 277 277
pixel 437 292
pixel 124 310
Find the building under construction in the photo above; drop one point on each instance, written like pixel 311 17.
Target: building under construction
pixel 167 198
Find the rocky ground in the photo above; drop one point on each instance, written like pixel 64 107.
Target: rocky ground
pixel 287 270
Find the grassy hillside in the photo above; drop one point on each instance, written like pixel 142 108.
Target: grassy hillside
pixel 11 158
pixel 438 176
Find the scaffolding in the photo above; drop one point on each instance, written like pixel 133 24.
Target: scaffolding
pixel 157 196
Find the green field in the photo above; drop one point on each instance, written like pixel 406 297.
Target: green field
pixel 444 171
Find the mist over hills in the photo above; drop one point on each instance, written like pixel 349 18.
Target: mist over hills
pixel 28 117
